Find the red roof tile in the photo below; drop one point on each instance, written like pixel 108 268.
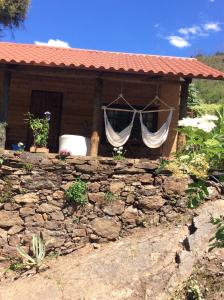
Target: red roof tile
pixel 27 54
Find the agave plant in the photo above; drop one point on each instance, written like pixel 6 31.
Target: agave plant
pixel 38 250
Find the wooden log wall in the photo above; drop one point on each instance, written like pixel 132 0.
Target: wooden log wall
pixel 78 99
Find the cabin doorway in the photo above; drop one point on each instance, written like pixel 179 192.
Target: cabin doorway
pixel 40 102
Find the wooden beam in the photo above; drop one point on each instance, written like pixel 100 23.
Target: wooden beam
pixel 70 73
pixel 95 137
pixel 5 96
pixel 183 110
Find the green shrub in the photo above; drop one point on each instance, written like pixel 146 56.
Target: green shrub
pixel 197 192
pixel 77 192
pixel 40 129
pixel 110 197
pixel 218 239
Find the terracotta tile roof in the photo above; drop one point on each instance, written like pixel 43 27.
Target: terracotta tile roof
pixel 27 54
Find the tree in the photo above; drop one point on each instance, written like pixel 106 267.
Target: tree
pixel 193 96
pixel 13 13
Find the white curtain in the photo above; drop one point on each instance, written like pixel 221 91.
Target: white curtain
pixel 156 139
pixel 117 139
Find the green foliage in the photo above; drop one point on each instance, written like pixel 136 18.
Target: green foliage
pixel 218 240
pixel 110 197
pixel 197 192
pixel 205 108
pixel 40 129
pixel 6 195
pixel 193 96
pixel 193 290
pixel 13 12
pixel 118 153
pixel 210 144
pixel 211 91
pixel 2 134
pixel 77 192
pixel 38 251
pixel 28 167
pixel 1 160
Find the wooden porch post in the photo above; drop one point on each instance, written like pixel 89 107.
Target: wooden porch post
pixel 5 96
pixel 183 109
pixel 95 136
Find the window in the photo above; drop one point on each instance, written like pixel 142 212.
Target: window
pixel 120 119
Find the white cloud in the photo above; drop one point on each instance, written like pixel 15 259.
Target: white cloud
pixel 178 41
pixel 190 30
pixel 211 0
pixel 54 43
pixel 212 26
pixel 156 25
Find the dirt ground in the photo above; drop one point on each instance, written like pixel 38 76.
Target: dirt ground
pixel 207 278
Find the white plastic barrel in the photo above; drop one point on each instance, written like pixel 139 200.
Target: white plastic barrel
pixel 75 144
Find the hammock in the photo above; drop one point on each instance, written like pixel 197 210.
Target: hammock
pixel 117 139
pixel 156 139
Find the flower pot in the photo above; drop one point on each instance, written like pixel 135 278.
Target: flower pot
pixel 39 150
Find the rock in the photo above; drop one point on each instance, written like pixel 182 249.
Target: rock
pixel 107 228
pixel 26 198
pixel 175 185
pixel 58 216
pixel 130 215
pixel 15 229
pixel 130 199
pixel 47 208
pixel 58 195
pixel 86 168
pixel 51 225
pixel 213 193
pixel 26 211
pixel 149 190
pixel 94 187
pixel 67 185
pixel 3 234
pixel 146 178
pixel 151 203
pixel 98 198
pixel 79 232
pixel 116 186
pixel 9 219
pixel 116 207
pixel 10 206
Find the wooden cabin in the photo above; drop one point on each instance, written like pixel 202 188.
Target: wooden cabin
pixel 73 84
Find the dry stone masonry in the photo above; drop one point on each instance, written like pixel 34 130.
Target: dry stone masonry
pixel 32 200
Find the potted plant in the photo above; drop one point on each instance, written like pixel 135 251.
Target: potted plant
pixel 40 129
pixel 2 135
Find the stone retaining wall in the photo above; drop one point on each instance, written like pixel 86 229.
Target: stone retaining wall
pixel 32 200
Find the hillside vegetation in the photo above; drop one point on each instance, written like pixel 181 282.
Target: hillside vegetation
pixel 211 91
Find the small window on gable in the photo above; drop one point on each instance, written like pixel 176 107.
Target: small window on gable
pixel 121 119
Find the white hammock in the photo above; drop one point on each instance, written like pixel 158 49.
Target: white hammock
pixel 117 139
pixel 156 139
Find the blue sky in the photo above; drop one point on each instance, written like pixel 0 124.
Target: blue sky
pixel 163 27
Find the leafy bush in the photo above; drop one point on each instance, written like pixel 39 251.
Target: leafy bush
pixel 193 96
pixel 40 129
pixel 205 108
pixel 77 192
pixel 197 192
pixel 218 239
pixel 205 135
